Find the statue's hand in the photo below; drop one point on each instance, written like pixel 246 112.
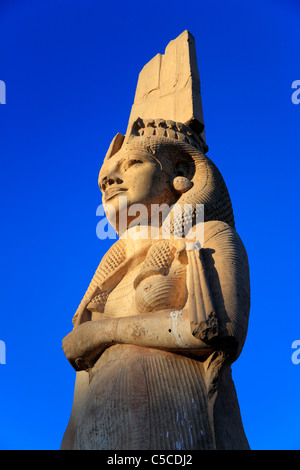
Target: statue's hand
pixel 87 341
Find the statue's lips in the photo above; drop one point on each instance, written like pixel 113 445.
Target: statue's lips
pixel 110 193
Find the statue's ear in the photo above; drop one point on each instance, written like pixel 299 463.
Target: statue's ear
pixel 182 176
pixel 115 145
pixel 183 168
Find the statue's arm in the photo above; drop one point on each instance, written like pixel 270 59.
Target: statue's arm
pixel 220 314
pixel 165 330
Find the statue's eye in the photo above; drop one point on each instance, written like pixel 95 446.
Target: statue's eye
pixel 131 162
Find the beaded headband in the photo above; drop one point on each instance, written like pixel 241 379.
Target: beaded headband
pixel 175 131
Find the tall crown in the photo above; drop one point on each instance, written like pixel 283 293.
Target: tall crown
pixel 167 101
pixel 169 88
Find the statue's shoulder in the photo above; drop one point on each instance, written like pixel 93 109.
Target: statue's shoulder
pixel 213 228
pixel 216 229
pixel 222 236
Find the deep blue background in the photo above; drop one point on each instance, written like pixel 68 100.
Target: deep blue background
pixel 71 69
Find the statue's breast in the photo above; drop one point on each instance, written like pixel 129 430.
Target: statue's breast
pixel 153 293
pixel 163 291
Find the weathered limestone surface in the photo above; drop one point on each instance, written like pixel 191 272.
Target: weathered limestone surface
pixel 164 317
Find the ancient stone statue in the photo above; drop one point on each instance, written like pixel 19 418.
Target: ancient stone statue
pixel 163 319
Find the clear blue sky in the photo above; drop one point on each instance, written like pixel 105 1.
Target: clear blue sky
pixel 71 69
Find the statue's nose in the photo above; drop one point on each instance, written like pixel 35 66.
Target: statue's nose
pixel 109 181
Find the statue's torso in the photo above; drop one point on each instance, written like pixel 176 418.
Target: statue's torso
pixel 135 392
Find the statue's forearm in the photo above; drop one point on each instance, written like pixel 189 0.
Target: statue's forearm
pixel 164 330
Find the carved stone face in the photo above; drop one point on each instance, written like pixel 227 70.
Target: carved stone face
pixel 135 177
